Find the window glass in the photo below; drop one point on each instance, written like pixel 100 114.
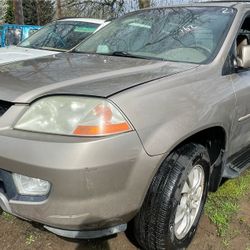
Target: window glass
pixel 184 34
pixel 32 31
pixel 60 35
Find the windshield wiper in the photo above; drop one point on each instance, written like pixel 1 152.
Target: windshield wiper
pixel 118 53
pixel 127 54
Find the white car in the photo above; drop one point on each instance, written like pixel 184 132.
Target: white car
pixel 59 36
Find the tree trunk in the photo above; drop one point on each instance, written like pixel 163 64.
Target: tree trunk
pixel 18 11
pixel 58 9
pixel 144 4
pixel 38 12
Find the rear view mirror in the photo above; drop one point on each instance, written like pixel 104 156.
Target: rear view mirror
pixel 243 59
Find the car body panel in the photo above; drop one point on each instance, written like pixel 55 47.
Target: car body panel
pixel 82 19
pixel 82 74
pixel 240 134
pixel 241 85
pixel 14 53
pixel 89 207
pixel 177 105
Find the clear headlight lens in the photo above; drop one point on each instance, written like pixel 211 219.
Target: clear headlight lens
pixel 30 186
pixel 67 115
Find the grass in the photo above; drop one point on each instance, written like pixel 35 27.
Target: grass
pixel 7 216
pixel 30 238
pixel 221 205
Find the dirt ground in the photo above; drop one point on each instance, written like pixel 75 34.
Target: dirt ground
pixel 18 234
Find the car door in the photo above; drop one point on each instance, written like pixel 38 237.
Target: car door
pixel 240 136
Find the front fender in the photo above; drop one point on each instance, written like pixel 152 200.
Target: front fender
pixel 166 112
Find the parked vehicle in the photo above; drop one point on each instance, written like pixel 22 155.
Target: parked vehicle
pixel 12 34
pixel 146 117
pixel 59 36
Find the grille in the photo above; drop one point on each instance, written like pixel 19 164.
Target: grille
pixel 4 106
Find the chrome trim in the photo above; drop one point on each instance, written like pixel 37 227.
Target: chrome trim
pixel 244 118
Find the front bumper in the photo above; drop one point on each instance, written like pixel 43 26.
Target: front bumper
pixel 97 183
pixel 78 234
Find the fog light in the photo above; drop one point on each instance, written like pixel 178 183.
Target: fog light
pixel 30 186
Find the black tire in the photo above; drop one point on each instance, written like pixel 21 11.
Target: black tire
pixel 154 224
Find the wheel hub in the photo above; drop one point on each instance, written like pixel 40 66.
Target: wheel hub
pixel 189 206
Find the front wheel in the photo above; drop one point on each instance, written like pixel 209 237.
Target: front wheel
pixel 174 203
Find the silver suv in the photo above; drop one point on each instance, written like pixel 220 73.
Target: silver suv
pixel 136 125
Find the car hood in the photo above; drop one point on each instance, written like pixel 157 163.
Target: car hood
pixel 14 54
pixel 79 74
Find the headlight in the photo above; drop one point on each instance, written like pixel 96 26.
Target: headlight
pixel 67 115
pixel 30 186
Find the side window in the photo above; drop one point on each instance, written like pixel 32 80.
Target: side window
pixel 242 50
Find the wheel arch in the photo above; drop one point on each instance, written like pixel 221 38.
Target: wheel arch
pixel 209 137
pixel 215 139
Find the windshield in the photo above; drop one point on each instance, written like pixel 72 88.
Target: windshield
pixel 60 35
pixel 183 34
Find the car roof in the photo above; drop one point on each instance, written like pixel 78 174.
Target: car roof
pixel 81 19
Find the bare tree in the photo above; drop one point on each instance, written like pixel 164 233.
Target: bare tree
pixel 3 8
pixel 58 9
pixel 18 11
pixel 38 13
pixel 108 8
pixel 93 8
pixel 144 4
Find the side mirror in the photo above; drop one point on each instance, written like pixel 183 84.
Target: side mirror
pixel 243 59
